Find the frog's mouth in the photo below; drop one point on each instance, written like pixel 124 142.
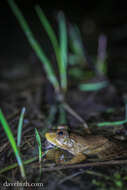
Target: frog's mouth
pixel 61 143
pixel 51 137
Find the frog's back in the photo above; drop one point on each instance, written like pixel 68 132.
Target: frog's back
pixel 89 144
pixel 98 145
pixel 112 151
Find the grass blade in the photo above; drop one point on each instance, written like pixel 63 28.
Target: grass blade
pixel 101 64
pixel 45 23
pixel 112 123
pixel 63 50
pixel 13 143
pixel 26 162
pixel 20 125
pixel 15 165
pixel 93 86
pixel 35 45
pixel 52 36
pixel 62 115
pixel 76 43
pixel 38 139
pixel 60 52
pixel 125 101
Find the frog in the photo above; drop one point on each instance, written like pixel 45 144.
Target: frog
pixel 81 147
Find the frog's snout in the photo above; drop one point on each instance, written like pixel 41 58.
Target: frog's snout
pixel 47 135
pixel 50 136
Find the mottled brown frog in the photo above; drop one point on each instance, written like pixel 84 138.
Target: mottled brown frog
pixel 82 146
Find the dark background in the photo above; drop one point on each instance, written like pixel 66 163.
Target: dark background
pixel 92 17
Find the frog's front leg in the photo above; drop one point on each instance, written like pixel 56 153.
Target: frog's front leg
pixel 59 157
pixel 76 159
pixel 55 155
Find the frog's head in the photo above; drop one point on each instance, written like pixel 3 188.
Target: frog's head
pixel 60 138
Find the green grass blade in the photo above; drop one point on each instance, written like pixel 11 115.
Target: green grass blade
pixel 62 115
pixel 63 50
pixel 125 101
pixel 29 161
pixel 93 86
pixel 125 110
pixel 52 36
pixel 10 167
pixel 112 123
pixel 35 45
pixel 38 139
pixel 76 43
pixel 101 63
pixel 20 125
pixel 60 52
pixel 12 142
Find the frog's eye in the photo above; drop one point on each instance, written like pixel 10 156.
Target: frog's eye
pixel 60 133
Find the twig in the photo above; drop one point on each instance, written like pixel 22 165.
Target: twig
pixel 105 163
pixel 63 167
pixel 13 115
pixel 71 176
pixel 4 146
pixel 97 174
pixel 72 112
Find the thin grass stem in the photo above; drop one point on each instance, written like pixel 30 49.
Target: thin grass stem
pixel 112 123
pixel 38 139
pixel 60 51
pixel 63 50
pixel 13 143
pixel 20 125
pixel 35 45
